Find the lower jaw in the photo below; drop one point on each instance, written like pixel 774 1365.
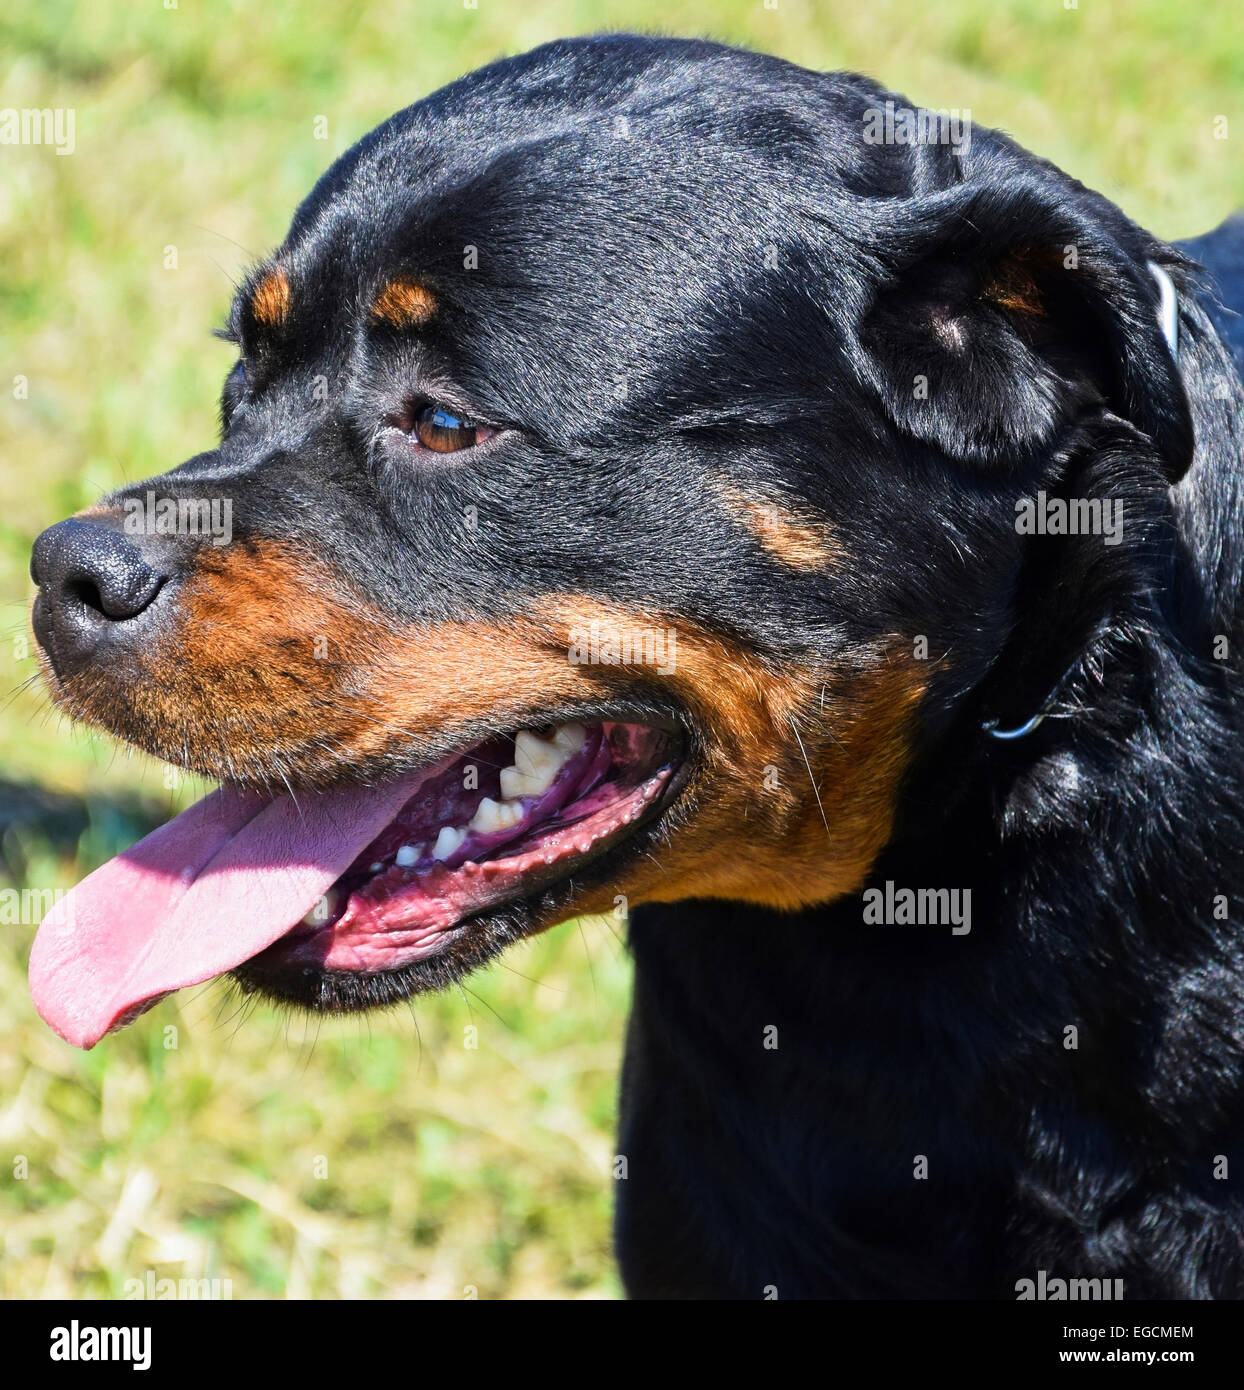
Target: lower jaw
pixel 392 927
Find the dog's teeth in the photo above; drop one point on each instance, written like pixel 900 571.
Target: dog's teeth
pixel 493 815
pixel 322 909
pixel 537 761
pixel 535 756
pixel 407 856
pixel 570 738
pixel 517 783
pixel 376 867
pixel 450 838
pixel 514 784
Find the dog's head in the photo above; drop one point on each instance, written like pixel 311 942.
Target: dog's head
pixel 617 492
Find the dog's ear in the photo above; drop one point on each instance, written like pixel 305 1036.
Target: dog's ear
pixel 1005 312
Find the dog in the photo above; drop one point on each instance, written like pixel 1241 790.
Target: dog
pixel 650 493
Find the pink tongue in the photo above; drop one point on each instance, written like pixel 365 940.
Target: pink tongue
pixel 197 897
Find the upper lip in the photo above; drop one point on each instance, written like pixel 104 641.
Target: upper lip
pixel 440 748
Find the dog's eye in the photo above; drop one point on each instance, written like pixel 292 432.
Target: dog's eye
pixel 443 432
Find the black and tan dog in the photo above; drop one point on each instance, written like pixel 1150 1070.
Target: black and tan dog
pixel 651 488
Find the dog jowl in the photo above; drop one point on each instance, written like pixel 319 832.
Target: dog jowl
pixel 622 460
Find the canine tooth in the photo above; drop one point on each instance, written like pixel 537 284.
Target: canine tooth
pixel 407 856
pixel 493 815
pixel 570 738
pixel 448 840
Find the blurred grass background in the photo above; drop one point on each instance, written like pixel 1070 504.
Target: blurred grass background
pixel 379 1157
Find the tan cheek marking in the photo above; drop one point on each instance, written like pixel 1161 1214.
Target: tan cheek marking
pixel 752 828
pixel 271 300
pixel 404 304
pixel 795 541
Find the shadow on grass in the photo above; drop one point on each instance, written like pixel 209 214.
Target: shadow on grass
pixel 36 823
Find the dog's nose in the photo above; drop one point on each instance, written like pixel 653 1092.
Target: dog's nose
pixel 92 580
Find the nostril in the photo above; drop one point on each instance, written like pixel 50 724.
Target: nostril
pixel 86 591
pixel 93 569
pixel 116 598
pixel 86 594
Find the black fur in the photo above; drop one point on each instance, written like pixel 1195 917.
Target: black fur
pixel 709 226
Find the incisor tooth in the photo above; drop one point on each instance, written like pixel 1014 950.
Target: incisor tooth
pixel 448 840
pixel 407 855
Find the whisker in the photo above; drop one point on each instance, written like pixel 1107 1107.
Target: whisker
pixel 815 789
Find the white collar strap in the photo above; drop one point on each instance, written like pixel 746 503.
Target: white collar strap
pixel 1168 308
pixel 991 727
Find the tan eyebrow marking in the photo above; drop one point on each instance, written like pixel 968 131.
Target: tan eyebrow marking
pixel 797 541
pixel 270 302
pixel 404 304
pixel 1014 284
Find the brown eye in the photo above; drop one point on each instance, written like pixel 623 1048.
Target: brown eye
pixel 437 429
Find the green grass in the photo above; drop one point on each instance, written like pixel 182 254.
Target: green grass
pixel 383 1157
